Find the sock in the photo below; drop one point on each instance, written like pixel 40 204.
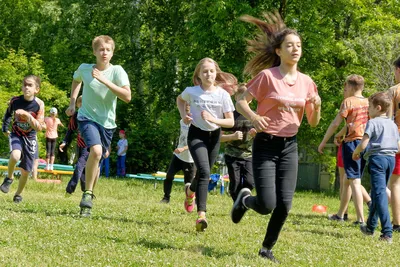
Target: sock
pixel 89 192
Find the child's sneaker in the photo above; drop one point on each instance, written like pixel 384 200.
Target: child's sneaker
pixel 238 209
pixel 364 229
pixel 86 201
pixel 396 228
pixel 335 217
pixel 17 199
pixel 201 224
pixel 267 254
pixel 189 200
pixel 164 200
pixel 85 212
pixel 386 238
pixel 5 186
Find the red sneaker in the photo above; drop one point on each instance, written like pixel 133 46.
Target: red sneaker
pixel 189 200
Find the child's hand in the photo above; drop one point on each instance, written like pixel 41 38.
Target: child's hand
pixel 70 110
pixel 188 119
pixel 6 134
pixel 252 132
pixel 260 123
pixel 321 148
pixel 316 100
pixel 205 115
pixel 22 114
pixel 179 150
pixel 98 75
pixel 61 147
pixel 356 156
pixel 238 135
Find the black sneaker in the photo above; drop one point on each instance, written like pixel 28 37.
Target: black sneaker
pixel 364 229
pixel 267 254
pixel 238 209
pixel 358 223
pixel 17 199
pixel 345 217
pixel 335 217
pixel 164 200
pixel 396 228
pixel 386 238
pixel 5 186
pixel 86 201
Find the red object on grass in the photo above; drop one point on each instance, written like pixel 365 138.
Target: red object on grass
pixel 319 208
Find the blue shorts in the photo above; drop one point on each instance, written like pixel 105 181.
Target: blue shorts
pixel 28 147
pixel 353 168
pixel 95 134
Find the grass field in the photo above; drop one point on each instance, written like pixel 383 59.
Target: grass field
pixel 129 227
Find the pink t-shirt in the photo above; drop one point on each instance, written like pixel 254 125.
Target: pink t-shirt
pixel 281 102
pixel 52 125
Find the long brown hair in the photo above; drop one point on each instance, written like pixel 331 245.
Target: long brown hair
pixel 272 35
pixel 226 80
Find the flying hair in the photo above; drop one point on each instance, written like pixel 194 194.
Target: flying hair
pixel 272 34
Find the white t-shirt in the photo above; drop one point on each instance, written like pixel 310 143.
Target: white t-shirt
pixel 216 102
pixel 185 155
pixel 122 144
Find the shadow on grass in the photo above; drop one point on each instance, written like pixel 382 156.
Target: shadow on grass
pixel 210 251
pixel 155 244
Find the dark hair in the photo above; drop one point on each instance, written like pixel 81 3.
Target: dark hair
pixel 35 78
pixel 382 99
pixel 271 37
pixel 355 81
pixel 396 63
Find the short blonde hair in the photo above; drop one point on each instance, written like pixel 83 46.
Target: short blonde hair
pixel 103 39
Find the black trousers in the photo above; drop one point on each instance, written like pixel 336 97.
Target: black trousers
pixel 176 165
pixel 204 148
pixel 275 166
pixel 240 174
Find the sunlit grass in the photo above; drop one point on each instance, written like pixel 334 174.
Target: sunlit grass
pixel 130 228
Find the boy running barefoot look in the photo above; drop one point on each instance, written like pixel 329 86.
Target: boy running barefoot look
pixel 103 83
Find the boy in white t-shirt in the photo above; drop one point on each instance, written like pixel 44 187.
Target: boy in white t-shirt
pixel 122 147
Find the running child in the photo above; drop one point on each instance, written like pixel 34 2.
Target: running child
pixel 103 83
pixel 283 95
pixel 211 108
pixel 27 112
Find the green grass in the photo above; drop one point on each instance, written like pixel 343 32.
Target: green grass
pixel 130 228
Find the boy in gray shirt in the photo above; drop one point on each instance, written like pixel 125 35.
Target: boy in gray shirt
pixel 381 141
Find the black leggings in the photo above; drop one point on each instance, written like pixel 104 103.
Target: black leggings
pixel 204 148
pixel 50 147
pixel 275 165
pixel 176 165
pixel 240 174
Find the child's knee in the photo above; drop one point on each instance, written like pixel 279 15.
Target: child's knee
pixel 15 155
pixel 96 151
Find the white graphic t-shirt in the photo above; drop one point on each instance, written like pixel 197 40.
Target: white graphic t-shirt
pixel 216 102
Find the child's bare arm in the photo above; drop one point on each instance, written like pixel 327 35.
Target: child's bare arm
pixel 331 130
pixel 75 88
pixel 360 148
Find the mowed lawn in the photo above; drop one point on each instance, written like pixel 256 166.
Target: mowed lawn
pixel 129 227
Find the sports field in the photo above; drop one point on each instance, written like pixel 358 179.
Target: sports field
pixel 129 227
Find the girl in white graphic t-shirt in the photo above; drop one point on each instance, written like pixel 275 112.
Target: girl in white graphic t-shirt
pixel 211 107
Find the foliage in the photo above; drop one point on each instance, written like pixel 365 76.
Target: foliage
pixel 159 42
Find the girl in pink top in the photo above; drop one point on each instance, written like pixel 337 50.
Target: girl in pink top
pixel 283 95
pixel 52 124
